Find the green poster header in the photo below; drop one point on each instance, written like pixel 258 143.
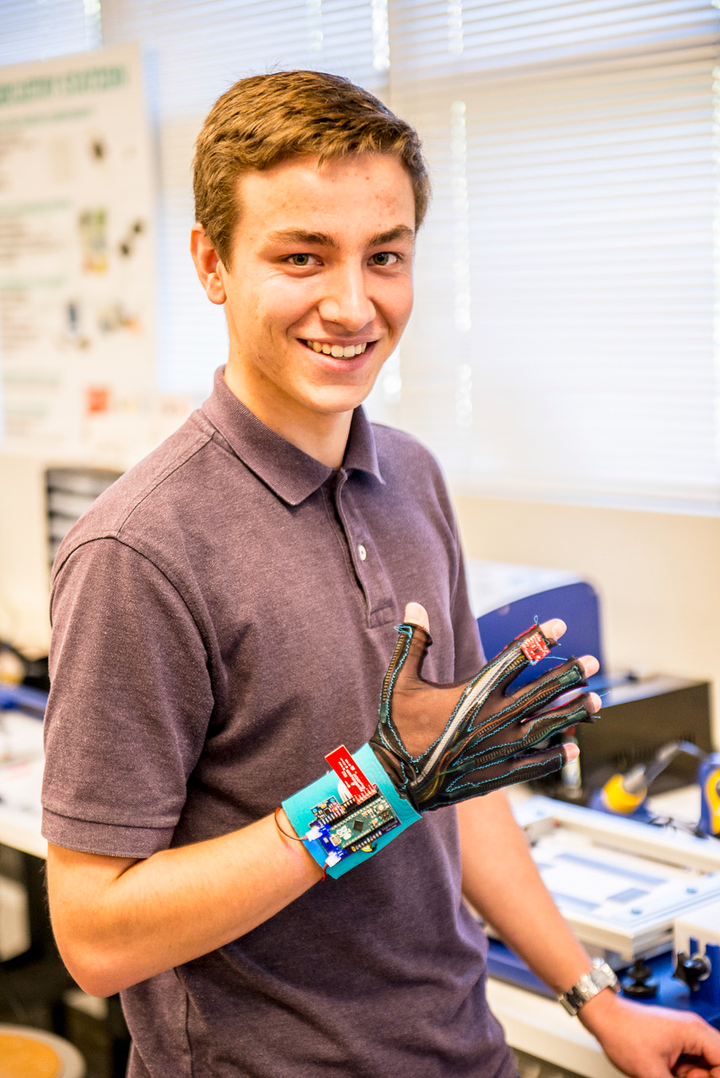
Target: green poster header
pixel 43 87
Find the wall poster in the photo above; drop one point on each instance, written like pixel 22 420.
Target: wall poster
pixel 77 260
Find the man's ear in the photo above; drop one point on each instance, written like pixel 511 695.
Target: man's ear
pixel 208 265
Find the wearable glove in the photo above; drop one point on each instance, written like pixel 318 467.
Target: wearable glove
pixel 435 745
pixel 444 743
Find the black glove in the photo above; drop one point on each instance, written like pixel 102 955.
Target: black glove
pixel 445 743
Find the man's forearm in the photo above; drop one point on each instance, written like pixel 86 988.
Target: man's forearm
pixel 119 921
pixel 501 880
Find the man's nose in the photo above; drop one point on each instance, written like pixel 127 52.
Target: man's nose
pixel 346 301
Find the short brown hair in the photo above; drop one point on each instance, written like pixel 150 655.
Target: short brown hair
pixel 266 119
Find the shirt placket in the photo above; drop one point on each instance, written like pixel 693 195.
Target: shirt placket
pixel 366 562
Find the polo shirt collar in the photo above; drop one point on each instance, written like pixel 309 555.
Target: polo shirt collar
pixel 290 473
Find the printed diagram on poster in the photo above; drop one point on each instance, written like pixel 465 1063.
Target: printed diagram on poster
pixel 77 260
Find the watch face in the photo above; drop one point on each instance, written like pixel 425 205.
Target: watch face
pixel 604 977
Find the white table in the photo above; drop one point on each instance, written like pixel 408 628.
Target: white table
pixel 21 763
pixel 541 1027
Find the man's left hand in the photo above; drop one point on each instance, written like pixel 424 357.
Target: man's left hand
pixel 652 1042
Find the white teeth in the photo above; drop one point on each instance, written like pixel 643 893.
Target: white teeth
pixel 337 351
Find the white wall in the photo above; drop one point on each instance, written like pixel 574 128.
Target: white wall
pixel 658 575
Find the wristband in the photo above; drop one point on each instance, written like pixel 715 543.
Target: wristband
pixel 350 813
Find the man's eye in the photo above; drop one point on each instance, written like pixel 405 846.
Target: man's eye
pixel 300 260
pixel 384 258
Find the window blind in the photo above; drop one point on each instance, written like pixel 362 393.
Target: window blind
pixel 41 29
pixel 461 36
pixel 567 274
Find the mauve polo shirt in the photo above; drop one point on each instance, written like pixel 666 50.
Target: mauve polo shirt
pixel 223 616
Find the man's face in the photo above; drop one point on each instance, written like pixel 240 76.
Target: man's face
pixel 320 285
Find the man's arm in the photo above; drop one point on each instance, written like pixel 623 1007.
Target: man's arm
pixel 501 881
pixel 118 921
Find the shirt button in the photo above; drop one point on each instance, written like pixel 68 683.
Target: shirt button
pixel 362 552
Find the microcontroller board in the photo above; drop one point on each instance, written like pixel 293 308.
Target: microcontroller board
pixel 345 827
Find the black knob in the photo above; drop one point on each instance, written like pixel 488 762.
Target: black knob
pixel 692 969
pixel 639 983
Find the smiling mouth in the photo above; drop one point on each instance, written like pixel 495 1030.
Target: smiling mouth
pixel 338 351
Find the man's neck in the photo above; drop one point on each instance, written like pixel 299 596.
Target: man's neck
pixel 322 436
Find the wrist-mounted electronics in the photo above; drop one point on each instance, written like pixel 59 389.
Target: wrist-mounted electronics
pixel 350 813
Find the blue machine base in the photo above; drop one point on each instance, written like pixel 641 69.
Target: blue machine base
pixel 22 698
pixel 506 966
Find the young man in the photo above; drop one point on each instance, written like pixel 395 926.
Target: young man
pixel 223 618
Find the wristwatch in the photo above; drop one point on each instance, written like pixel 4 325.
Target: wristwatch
pixel 599 977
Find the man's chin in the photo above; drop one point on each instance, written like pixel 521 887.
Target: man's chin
pixel 334 401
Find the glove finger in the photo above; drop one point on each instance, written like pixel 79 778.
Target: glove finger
pixel 525 768
pixel 528 701
pixel 420 641
pixel 554 722
pixel 541 692
pixel 563 700
pixel 515 738
pixel 405 664
pixel 525 650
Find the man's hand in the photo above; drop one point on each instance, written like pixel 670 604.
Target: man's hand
pixel 652 1042
pixel 441 744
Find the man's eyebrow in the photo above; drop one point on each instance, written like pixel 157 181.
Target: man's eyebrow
pixel 323 239
pixel 400 232
pixel 301 236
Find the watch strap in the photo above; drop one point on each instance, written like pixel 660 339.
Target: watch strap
pixel 589 985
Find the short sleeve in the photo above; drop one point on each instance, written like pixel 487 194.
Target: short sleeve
pixel 129 705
